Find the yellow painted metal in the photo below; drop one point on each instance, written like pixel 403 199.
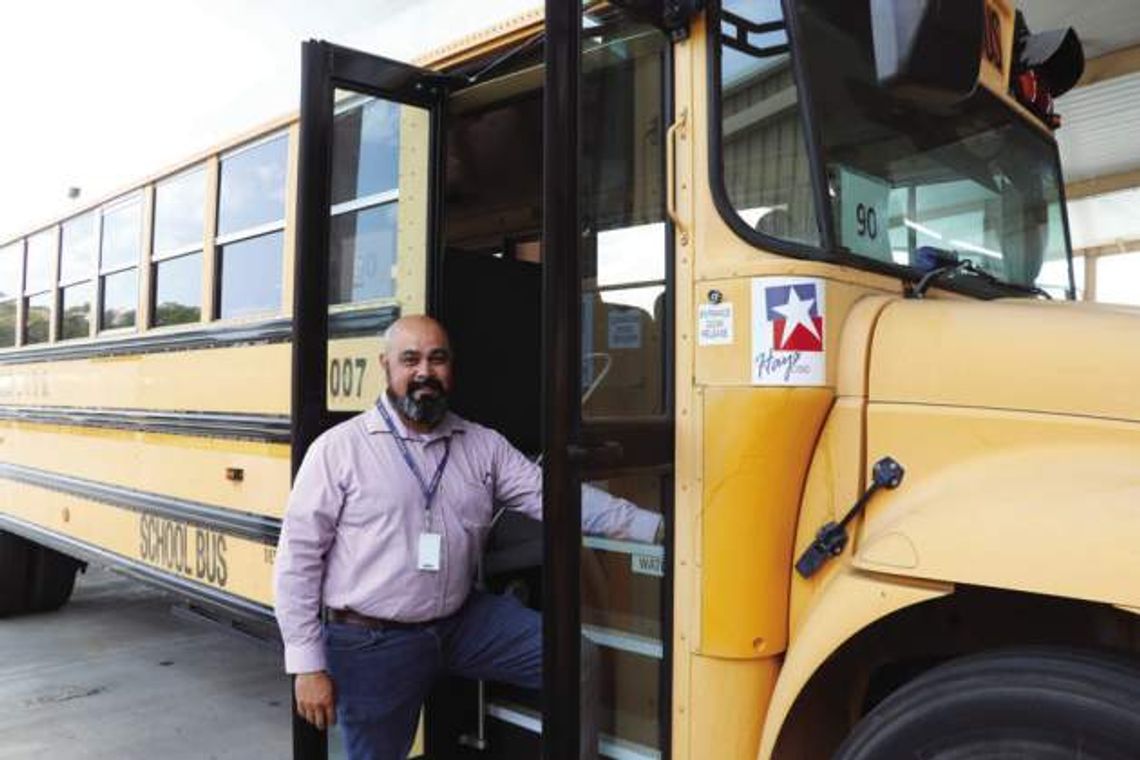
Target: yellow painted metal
pixel 834 482
pixel 1032 355
pixel 146 249
pixel 688 410
pixel 247 379
pixel 851 601
pixel 209 262
pixel 359 376
pixel 412 214
pixel 735 693
pixel 1006 499
pixel 290 232
pixel 236 565
pixel 180 466
pixel 997 62
pixel 758 442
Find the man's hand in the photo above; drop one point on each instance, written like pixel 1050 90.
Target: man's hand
pixel 316 698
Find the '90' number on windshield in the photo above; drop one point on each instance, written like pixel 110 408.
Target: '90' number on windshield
pixel 346 377
pixel 866 221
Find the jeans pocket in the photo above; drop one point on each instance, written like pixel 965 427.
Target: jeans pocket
pixel 345 637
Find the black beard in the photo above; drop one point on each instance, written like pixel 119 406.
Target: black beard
pixel 428 409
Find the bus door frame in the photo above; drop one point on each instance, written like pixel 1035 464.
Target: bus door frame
pixel 578 451
pixel 325 67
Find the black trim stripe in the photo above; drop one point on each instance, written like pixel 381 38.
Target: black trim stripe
pixel 240 524
pixel 274 331
pixel 341 324
pixel 236 605
pixel 260 427
pixel 347 324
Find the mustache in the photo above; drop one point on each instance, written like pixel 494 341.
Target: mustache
pixel 428 383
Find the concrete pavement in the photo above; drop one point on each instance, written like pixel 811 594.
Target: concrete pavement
pixel 114 676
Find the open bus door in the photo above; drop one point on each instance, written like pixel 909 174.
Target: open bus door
pixel 608 299
pixel 368 210
pixel 371 186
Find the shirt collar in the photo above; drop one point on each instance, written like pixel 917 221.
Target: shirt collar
pixel 374 422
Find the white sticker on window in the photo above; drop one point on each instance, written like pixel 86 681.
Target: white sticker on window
pixel 864 206
pixel 648 564
pixel 788 331
pixel 624 328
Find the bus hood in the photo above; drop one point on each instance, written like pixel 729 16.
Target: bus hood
pixel 1054 357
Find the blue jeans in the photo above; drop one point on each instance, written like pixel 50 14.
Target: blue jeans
pixel 383 676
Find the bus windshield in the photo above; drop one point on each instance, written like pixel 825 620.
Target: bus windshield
pixel 977 179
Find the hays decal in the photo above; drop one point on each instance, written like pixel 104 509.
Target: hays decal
pixel 789 323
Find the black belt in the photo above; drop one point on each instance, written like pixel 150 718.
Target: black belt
pixel 351 617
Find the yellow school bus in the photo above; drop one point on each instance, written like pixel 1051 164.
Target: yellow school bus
pixel 794 273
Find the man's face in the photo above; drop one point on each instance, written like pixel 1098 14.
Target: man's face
pixel 418 366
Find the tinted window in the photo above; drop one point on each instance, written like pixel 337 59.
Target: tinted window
pixel 253 187
pixel 178 290
pixel 8 324
pixel 178 207
pixel 764 156
pixel 120 299
pixel 76 311
pixel 41 250
pixel 121 231
pixel 77 255
pixel 10 270
pixel 251 275
pixel 366 142
pixel 362 253
pixel 38 319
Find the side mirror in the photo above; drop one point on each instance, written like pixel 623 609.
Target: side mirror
pixel 928 50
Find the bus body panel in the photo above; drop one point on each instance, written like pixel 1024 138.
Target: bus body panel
pixel 1016 500
pixel 246 379
pixel 850 602
pixel 1013 355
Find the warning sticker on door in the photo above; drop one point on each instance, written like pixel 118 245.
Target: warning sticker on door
pixel 714 324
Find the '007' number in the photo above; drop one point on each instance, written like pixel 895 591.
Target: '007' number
pixel 346 377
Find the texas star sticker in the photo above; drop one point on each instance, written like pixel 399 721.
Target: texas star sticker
pixel 797 313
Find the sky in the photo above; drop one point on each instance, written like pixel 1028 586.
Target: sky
pixel 101 95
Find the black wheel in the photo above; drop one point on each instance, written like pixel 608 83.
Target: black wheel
pixel 52 579
pixel 15 562
pixel 1031 704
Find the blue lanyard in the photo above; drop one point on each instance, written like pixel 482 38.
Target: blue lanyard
pixel 429 490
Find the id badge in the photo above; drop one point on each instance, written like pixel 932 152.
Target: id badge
pixel 430 549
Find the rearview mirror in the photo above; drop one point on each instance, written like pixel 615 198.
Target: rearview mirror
pixel 928 50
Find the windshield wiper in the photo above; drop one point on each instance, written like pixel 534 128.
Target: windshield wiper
pixel 949 263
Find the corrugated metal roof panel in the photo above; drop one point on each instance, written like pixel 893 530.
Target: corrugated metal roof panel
pixel 1101 129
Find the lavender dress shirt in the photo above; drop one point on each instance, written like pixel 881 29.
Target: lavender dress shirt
pixel 351 530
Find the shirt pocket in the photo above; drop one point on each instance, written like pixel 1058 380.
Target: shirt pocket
pixel 474 504
pixel 368 506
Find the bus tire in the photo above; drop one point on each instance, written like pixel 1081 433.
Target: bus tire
pixel 52 579
pixel 15 564
pixel 1040 703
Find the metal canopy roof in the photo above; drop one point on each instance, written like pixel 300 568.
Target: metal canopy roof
pixel 1101 121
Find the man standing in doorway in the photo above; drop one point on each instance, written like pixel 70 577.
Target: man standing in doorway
pixel 383 534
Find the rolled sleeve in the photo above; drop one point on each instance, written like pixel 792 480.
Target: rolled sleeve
pixel 610 516
pixel 307 531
